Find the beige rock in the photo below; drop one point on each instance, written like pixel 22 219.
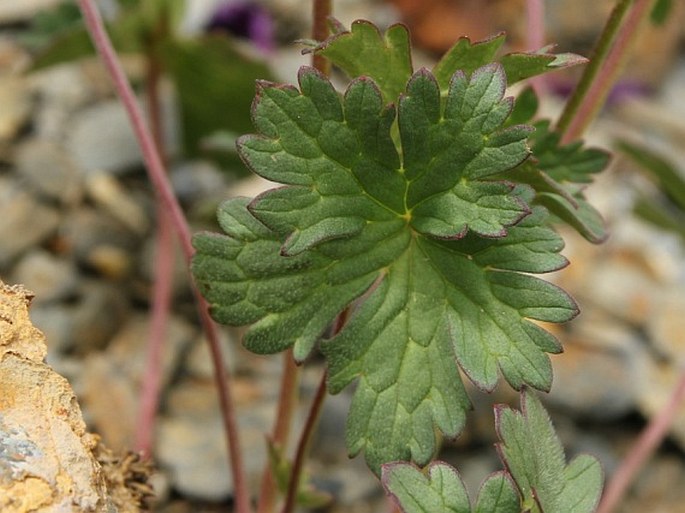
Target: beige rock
pixel 47 462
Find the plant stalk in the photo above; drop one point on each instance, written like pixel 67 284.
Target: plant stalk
pixel 322 9
pixel 162 282
pixel 287 403
pixel 309 426
pixel 604 68
pixel 158 177
pixel 643 449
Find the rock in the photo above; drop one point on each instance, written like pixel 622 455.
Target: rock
pixel 190 441
pixel 97 312
pixel 12 12
pixel 119 371
pixel 15 106
pixel 666 326
pixel 49 277
pixel 196 180
pixel 653 394
pixel 597 375
pixel 658 488
pixel 55 320
pixel 106 191
pixel 100 137
pixel 49 171
pixel 61 91
pixel 24 222
pixel 87 231
pixel 199 363
pixel 46 455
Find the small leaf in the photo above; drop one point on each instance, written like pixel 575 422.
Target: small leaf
pixel 498 495
pixel 525 107
pixel 534 457
pixel 467 57
pixel 520 66
pixel 438 489
pixel 364 51
pixel 670 179
pixel 567 163
pixel 215 86
pixel 281 468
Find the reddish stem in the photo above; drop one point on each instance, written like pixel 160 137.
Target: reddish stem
pixel 321 11
pixel 309 426
pixel 162 283
pixel 595 96
pixel 535 35
pixel 158 177
pixel 287 401
pixel 642 450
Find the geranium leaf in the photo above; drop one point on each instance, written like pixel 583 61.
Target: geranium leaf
pixel 519 66
pixel 364 51
pixel 467 57
pixel 565 163
pixel 533 455
pixel 415 234
pixel 498 495
pixel 438 489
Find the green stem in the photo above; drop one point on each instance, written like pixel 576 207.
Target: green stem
pixel 605 64
pixel 158 176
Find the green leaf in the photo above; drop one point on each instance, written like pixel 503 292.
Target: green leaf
pixel 566 163
pixel 438 489
pixel 215 86
pixel 559 175
pixel 364 51
pixel 661 10
pixel 362 223
pixel 520 66
pixel 467 57
pixel 668 177
pixel 534 457
pixel 281 468
pixel 498 495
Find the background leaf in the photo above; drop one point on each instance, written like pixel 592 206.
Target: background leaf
pixel 534 457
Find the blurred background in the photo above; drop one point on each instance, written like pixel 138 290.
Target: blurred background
pixel 77 222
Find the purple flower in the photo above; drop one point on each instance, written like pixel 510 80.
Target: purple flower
pixel 245 19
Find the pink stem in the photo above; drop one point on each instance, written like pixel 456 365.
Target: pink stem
pixel 642 450
pixel 161 304
pixel 535 20
pixel 598 91
pixel 158 177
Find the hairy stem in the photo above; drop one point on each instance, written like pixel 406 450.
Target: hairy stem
pixel 643 449
pixel 158 177
pixel 605 66
pixel 162 282
pixel 287 402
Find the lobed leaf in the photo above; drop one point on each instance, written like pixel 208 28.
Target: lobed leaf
pixel 432 253
pixel 439 489
pixel 533 455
